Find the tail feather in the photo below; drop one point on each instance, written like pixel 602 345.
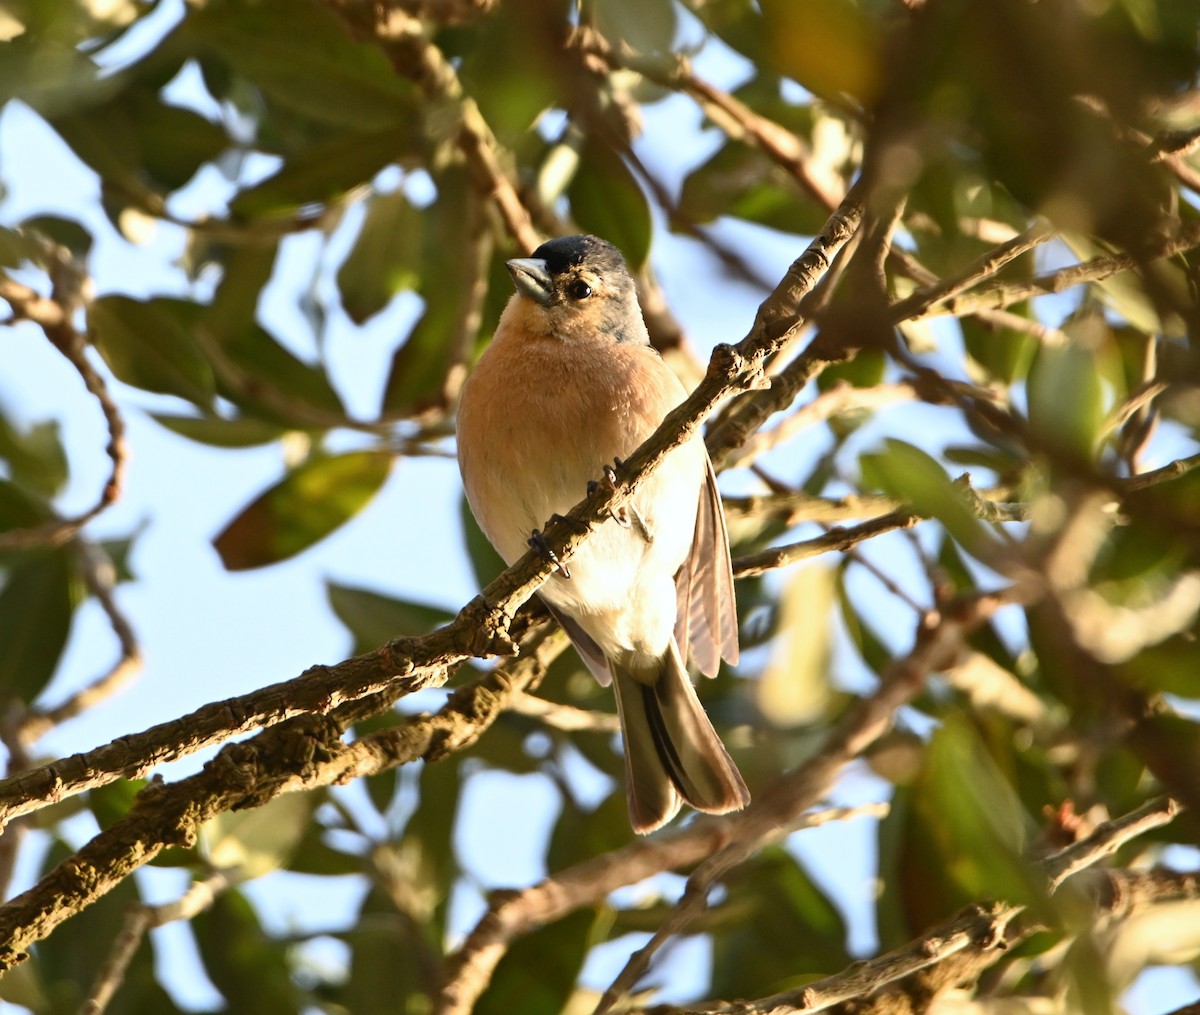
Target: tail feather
pixel 672 751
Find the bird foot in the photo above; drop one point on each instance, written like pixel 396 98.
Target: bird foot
pixel 538 543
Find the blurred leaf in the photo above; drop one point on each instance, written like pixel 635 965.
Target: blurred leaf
pixel 829 46
pixel 69 960
pixel 646 27
pixel 389 962
pixel 957 835
pixel 301 55
pixel 48 74
pixel 36 604
pixel 66 232
pixel 1004 353
pixel 112 802
pixel 221 432
pixel 296 386
pixel 36 458
pixel 794 687
pixel 385 258
pixel 135 139
pixel 149 344
pixel 258 840
pixel 870 646
pixel 606 200
pixel 513 93
pixel 1128 294
pixel 450 253
pixel 912 476
pixel 741 181
pixel 322 174
pixel 20 509
pixel 580 835
pixel 537 974
pixel 316 853
pixel 865 370
pixel 374 619
pixel 737 22
pixel 1066 395
pixel 246 269
pixel 1171 666
pixel 302 508
pixel 776 929
pixel 248 967
pixel 1169 744
pixel 428 835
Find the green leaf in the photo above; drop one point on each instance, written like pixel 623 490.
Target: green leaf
pixel 385 259
pixel 149 344
pixel 66 232
pixel 112 802
pixel 302 508
pixel 1005 353
pixel 959 835
pixel 449 270
pixel 911 475
pixel 428 842
pixel 248 967
pixel 742 182
pixel 323 173
pixel 1066 394
pixel 46 73
pixel 258 840
pixel 36 458
pixel 871 647
pixel 537 974
pixel 69 960
pixel 389 958
pixel 302 56
pixel 776 927
pixel 19 508
pixel 374 619
pixel 832 47
pixel 1170 747
pixel 648 26
pixel 794 688
pixel 36 604
pixel 134 139
pixel 607 201
pixel 239 432
pixel 260 356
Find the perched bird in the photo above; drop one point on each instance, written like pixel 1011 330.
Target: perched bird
pixel 569 384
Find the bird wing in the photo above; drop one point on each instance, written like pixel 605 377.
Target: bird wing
pixel 706 621
pixel 591 653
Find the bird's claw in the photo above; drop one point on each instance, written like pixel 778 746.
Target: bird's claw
pixel 539 545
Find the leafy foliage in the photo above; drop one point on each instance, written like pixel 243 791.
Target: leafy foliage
pixel 1019 299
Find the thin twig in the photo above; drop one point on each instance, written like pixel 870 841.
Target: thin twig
pixel 54 318
pixel 1095 270
pixel 139 920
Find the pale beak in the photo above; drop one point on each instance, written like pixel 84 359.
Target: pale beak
pixel 531 278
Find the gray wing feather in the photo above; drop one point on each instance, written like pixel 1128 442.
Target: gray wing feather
pixel 591 653
pixel 706 621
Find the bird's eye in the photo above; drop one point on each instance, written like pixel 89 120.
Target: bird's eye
pixel 579 290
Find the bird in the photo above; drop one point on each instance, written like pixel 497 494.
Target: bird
pixel 568 387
